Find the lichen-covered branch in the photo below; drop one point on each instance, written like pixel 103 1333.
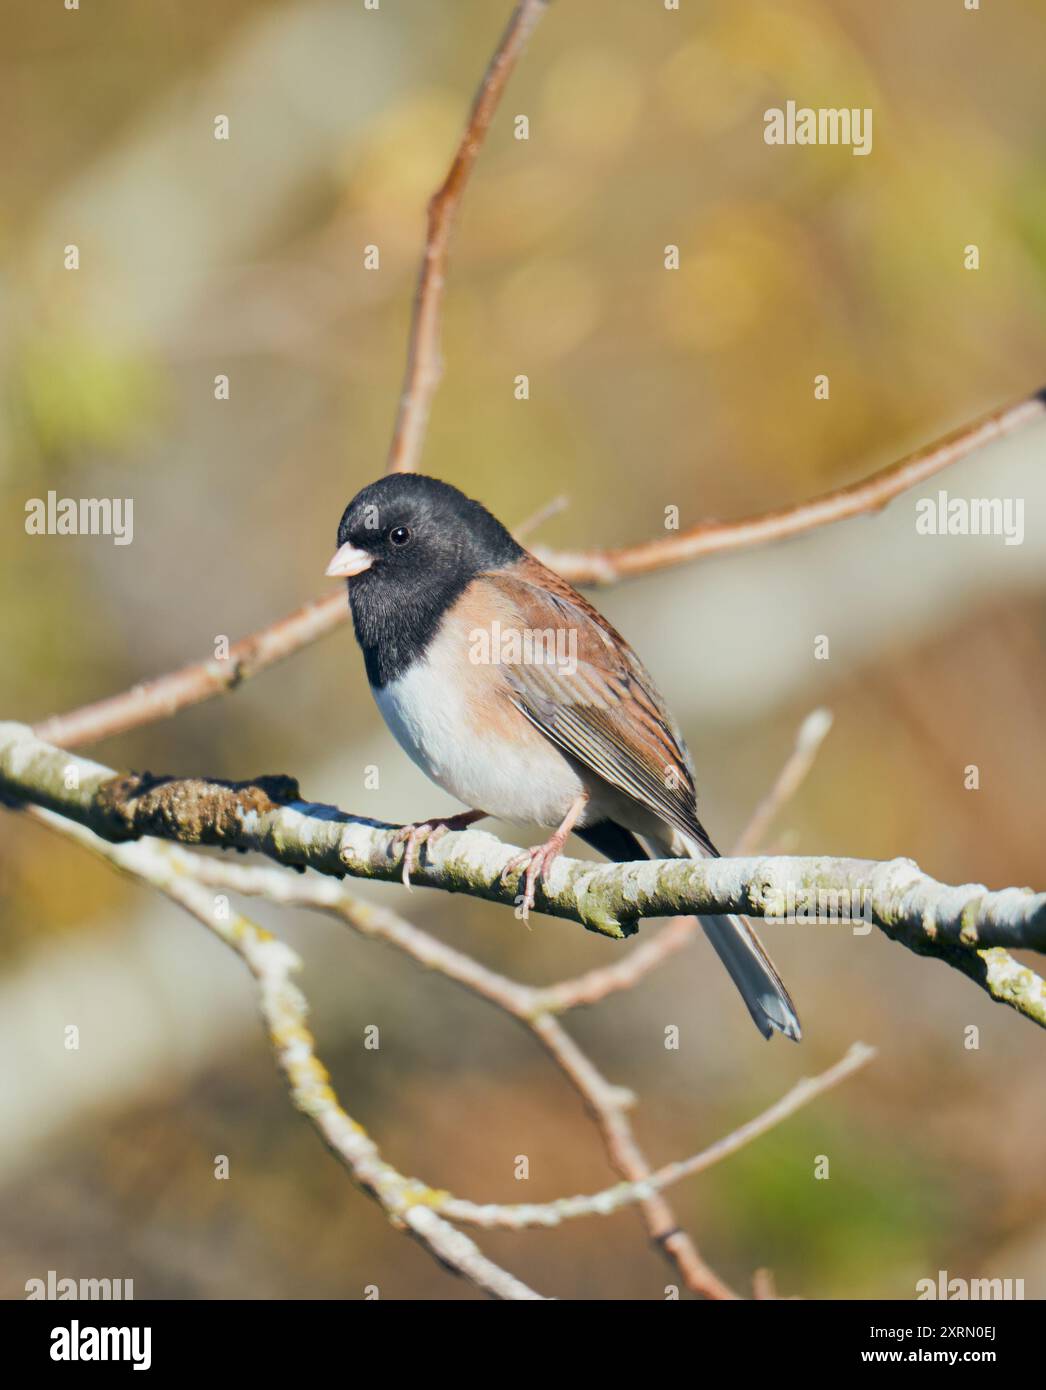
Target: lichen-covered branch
pixel 680 931
pixel 607 1104
pixel 534 1007
pixel 268 814
pixel 410 1204
pixel 960 925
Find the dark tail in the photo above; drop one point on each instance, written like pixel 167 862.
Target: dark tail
pixel 734 939
pixel 753 972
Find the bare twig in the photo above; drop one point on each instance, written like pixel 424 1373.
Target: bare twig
pixel 763 1284
pixel 869 495
pixel 190 685
pixel 543 514
pixel 410 1204
pixel 612 1198
pixel 608 1105
pixel 534 1007
pixel 200 680
pixel 166 695
pixel 605 980
pixel 812 733
pixel 605 1102
pixel 268 815
pixel 424 366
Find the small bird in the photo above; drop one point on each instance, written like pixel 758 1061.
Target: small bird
pixel 511 692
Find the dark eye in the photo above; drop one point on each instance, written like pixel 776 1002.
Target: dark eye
pixel 399 535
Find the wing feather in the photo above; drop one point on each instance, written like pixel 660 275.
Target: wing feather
pixel 602 706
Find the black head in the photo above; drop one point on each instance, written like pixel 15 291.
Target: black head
pixel 409 546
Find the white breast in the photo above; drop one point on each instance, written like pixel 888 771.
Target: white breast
pixel 433 719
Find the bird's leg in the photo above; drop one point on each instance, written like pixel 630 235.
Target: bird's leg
pixel 428 832
pixel 539 860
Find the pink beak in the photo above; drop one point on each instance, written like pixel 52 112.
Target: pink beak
pixel 349 560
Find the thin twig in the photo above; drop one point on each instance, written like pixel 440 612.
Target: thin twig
pixel 869 495
pixel 410 1204
pixel 543 514
pixel 424 364
pixel 190 685
pixel 535 1007
pixel 812 733
pixel 612 1198
pixel 606 1103
pixel 199 681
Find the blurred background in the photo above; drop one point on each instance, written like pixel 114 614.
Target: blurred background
pixel 648 389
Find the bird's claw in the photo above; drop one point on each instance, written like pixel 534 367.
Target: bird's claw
pixel 412 837
pixel 536 862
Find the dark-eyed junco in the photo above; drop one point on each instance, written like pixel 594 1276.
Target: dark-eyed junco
pixel 513 694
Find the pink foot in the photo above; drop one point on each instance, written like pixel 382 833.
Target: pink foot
pixel 412 837
pixel 536 862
